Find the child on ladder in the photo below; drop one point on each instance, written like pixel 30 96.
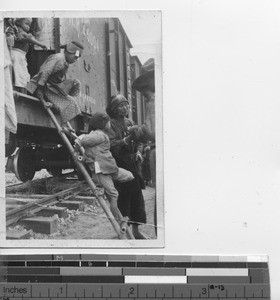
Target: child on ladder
pixel 100 160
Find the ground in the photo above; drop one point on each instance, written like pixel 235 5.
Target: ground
pixel 91 223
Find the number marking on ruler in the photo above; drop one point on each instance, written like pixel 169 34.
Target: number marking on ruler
pixel 116 277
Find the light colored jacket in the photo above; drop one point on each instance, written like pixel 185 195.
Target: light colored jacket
pixel 52 75
pixel 97 152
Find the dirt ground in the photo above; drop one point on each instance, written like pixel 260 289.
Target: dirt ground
pixel 91 223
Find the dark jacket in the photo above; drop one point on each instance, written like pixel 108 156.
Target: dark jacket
pixel 124 154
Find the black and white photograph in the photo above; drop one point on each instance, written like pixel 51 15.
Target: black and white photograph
pixel 83 129
pixel 142 135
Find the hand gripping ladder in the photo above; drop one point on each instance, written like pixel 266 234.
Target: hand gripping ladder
pixel 122 229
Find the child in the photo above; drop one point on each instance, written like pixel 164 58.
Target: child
pixel 100 159
pixel 22 41
pixel 51 83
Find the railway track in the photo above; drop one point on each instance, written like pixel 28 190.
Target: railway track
pixel 61 208
pixel 40 212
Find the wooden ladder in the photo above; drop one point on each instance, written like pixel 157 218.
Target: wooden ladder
pixel 122 229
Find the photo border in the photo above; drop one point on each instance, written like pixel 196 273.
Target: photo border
pixel 90 243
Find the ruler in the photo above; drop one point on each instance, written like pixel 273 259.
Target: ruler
pixel 133 276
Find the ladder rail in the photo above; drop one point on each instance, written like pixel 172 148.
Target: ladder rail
pixel 120 230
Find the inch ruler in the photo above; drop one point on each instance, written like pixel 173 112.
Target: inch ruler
pixel 133 276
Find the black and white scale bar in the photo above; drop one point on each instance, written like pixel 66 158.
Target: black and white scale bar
pixel 150 261
pixel 152 291
pixel 46 263
pixel 132 275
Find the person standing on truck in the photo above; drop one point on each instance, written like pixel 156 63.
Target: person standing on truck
pixel 22 40
pixel 100 160
pixel 51 84
pixel 145 84
pixel 131 201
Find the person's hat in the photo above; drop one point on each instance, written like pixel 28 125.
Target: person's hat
pixel 98 121
pixel 116 101
pixel 75 48
pixel 147 75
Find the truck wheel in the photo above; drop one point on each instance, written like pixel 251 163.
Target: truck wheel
pixel 23 162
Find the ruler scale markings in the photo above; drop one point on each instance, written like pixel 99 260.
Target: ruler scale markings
pixel 257 285
pixel 257 290
pixel 201 295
